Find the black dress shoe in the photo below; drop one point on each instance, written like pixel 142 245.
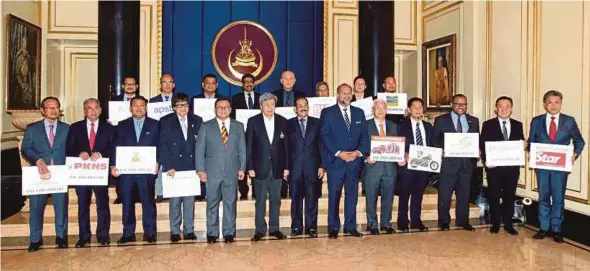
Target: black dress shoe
pixel 228 239
pixel 296 232
pixel 82 243
pixel 541 234
pixel 150 238
pixel 495 229
pixel 257 237
pixel 313 233
pixel 510 230
pixel 354 233
pixel 34 246
pixel 126 239
pixel 279 235
pixel 388 230
pixel 159 199
pixel 211 239
pixel 420 227
pixel 445 227
pixel 557 238
pixel 467 227
pixel 333 234
pixel 190 236
pixel 175 238
pixel 61 242
pixel 103 241
pixel 199 198
pixel 403 229
pixel 374 231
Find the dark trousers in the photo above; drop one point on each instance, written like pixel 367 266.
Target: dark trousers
pixel 411 188
pixel 502 185
pixel 243 188
pixel 146 191
pixel 36 214
pixel 337 179
pixel 269 186
pixel 285 189
pixel 455 175
pixel 102 209
pixel 304 187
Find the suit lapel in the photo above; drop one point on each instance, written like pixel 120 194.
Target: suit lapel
pixel 59 133
pixel 44 132
pixel 85 139
pixel 559 126
pixel 544 125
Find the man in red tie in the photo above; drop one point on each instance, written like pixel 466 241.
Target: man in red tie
pixel 553 127
pixel 92 139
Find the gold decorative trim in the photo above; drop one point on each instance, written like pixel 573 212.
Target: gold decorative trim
pixel 354 19
pixel 489 37
pixel 414 35
pixel 159 8
pixel 355 7
pixel 51 23
pixel 326 38
pixel 437 3
pixel 74 57
pixel 439 13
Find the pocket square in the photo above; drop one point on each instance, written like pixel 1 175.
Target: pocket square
pixel 148 133
pixel 358 122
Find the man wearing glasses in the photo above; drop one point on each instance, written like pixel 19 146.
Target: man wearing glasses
pixel 455 174
pixel 178 137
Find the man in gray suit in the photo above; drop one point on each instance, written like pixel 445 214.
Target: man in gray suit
pixel 380 177
pixel 45 144
pixel 220 157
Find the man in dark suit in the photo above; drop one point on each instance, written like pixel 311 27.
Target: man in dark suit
pixel 209 86
pixel 268 163
pixel 455 173
pixel 345 138
pixel 286 96
pixel 44 144
pixel 412 183
pixel 137 131
pixel 501 180
pixel 177 141
pixel 380 177
pixel 553 127
pixel 247 99
pixel 92 138
pixel 306 169
pixel 129 87
pixel 360 85
pixel 221 159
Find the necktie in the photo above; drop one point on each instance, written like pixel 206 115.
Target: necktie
pixel 166 98
pixel 51 135
pixel 92 138
pixel 289 98
pixel 183 126
pixel 250 101
pixel 224 135
pixel 459 127
pixel 419 140
pixel 552 130
pixel 138 126
pixel 504 130
pixel 381 130
pixel 302 125
pixel 346 119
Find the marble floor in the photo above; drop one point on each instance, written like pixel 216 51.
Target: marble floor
pixel 454 250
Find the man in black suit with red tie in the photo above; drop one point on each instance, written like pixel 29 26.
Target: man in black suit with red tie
pixel 502 181
pixel 247 99
pixel 92 138
pixel 412 183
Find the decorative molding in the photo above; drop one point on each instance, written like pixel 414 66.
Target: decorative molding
pixel 159 9
pixel 439 13
pixel 413 27
pixel 339 4
pixel 326 38
pixel 53 28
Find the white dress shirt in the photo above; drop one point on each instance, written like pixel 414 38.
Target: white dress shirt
pixel 422 131
pixel 377 123
pixel 548 121
pixel 508 127
pixel 225 122
pixel 270 126
pixel 164 97
pixel 246 98
pixel 88 122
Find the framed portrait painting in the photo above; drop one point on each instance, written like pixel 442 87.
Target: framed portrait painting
pixel 23 65
pixel 439 59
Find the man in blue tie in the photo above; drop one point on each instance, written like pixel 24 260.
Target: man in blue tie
pixel 346 140
pixel 137 131
pixel 287 95
pixel 44 144
pixel 553 127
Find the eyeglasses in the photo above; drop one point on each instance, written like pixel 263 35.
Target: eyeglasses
pixel 223 107
pixel 166 82
pixel 181 105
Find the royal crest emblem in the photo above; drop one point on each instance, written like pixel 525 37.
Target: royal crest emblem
pixel 244 47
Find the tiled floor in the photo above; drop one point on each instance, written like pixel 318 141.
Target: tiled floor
pixel 454 250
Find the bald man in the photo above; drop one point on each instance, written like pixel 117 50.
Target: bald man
pixel 287 95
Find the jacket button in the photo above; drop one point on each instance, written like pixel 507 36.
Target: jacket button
pixel 191 155
pixel 181 155
pixel 174 143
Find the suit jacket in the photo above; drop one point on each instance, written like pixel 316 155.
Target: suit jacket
pixel 261 151
pixel 158 98
pixel 119 97
pixel 176 152
pixel 378 169
pixel 238 101
pixel 36 146
pixel 280 94
pixel 221 162
pixel 126 138
pixel 444 124
pixel 567 131
pixel 305 153
pixel 491 130
pixel 405 129
pixel 78 141
pixel 336 137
